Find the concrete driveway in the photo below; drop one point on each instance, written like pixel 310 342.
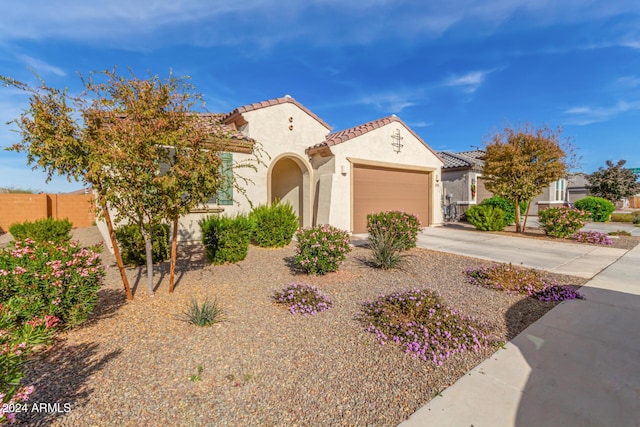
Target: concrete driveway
pixel 559 257
pixel 579 365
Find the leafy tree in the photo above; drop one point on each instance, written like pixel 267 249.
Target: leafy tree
pixel 521 162
pixel 613 183
pixel 54 141
pixel 131 128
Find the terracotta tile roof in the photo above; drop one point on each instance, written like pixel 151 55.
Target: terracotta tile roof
pixel 232 116
pixel 465 159
pixel 347 134
pixel 238 142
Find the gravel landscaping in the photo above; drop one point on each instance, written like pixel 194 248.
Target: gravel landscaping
pixel 135 363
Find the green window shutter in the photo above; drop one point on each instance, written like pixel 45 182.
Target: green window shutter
pixel 225 193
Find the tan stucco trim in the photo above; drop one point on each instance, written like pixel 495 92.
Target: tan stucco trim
pixel 307 179
pixel 376 163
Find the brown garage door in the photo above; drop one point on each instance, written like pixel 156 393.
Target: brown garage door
pixel 377 189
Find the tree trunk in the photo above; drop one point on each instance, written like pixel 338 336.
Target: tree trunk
pixel 174 251
pixel 149 254
pixel 526 216
pixel 518 228
pixel 116 251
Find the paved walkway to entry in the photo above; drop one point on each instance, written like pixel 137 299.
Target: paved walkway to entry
pixel 559 257
pixel 579 365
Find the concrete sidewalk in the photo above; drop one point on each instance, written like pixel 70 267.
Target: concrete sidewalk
pixel 559 257
pixel 579 365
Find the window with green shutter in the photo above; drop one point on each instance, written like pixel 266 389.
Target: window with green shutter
pixel 225 193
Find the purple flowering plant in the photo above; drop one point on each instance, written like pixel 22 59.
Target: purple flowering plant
pixel 418 321
pixel 505 277
pixel 321 249
pixel 592 237
pixel 302 299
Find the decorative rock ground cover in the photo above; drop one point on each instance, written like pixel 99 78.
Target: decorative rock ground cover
pixel 135 363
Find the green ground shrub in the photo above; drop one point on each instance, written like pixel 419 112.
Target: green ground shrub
pixel 131 244
pixel 599 208
pixel 403 226
pixel 508 207
pixel 226 239
pixel 43 230
pixel 486 217
pixel 273 226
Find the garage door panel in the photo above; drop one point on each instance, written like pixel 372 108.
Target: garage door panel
pixel 383 189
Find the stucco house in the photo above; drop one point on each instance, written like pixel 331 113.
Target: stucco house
pixel 329 177
pixel 462 180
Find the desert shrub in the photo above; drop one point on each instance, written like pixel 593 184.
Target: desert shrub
pixel 18 339
pixel 273 226
pixel 404 226
pixel 43 230
pixel 486 218
pixel 58 280
pixel 321 249
pixel 592 237
pixel 619 233
pixel 385 249
pixel 599 208
pixel 562 222
pixel 303 299
pixel 226 239
pixel 418 321
pixel 505 277
pixel 131 244
pixel 508 207
pixel 207 314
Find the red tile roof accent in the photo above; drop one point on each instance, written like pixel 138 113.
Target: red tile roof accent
pixel 229 118
pixel 347 134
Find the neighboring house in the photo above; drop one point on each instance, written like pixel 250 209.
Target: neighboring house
pixel 329 178
pixel 462 180
pixel 462 174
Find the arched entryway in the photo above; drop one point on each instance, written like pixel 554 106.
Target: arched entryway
pixel 290 181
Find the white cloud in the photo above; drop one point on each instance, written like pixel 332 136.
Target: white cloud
pixel 138 25
pixel 469 82
pixel 395 101
pixel 586 115
pixel 41 67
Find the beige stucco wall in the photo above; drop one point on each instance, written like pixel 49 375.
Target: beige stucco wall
pixel 376 146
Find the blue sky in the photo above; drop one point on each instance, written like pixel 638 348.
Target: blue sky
pixel 455 71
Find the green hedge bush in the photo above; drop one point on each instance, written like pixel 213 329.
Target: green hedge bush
pixel 43 230
pixel 131 244
pixel 226 239
pixel 273 226
pixel 562 222
pixel 508 207
pixel 599 208
pixel 486 217
pixel 626 217
pixel 403 226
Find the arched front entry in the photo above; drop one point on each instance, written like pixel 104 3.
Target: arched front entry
pixel 290 181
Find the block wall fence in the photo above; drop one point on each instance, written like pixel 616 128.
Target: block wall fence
pixel 77 208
